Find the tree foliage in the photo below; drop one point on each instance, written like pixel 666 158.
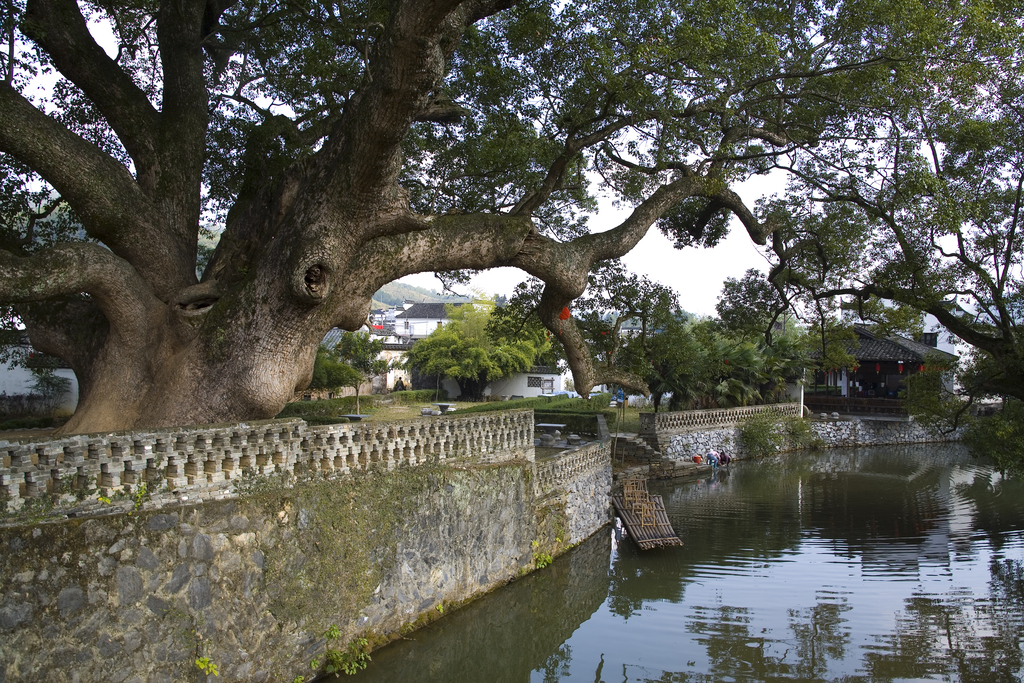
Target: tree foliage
pixel 353 360
pixel 340 146
pixel 751 305
pixel 917 208
pixel 467 350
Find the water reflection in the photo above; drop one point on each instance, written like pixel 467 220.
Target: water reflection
pixel 858 565
pixel 505 635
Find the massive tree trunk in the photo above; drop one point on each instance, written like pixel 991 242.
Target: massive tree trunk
pixel 302 252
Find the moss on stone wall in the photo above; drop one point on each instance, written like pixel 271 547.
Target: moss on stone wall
pixel 356 526
pixel 359 526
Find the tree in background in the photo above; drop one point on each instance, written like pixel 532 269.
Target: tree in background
pixel 355 359
pixel 465 350
pixel 340 146
pixel 920 206
pixel 751 306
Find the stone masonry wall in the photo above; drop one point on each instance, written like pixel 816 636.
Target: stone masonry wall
pixel 835 433
pixel 580 480
pixel 254 580
pixel 204 463
pixel 665 431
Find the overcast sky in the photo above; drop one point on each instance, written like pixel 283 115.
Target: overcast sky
pixel 695 274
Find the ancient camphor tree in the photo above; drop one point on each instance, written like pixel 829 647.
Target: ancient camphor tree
pixel 342 145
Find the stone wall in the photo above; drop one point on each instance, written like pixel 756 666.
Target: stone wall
pixel 253 581
pixel 578 480
pixel 72 476
pixel 692 420
pixel 662 430
pixel 827 433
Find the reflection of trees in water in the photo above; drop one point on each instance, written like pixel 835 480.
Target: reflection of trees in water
pixel 758 513
pixel 820 633
pixel 970 639
pixel 507 634
pixel 998 503
pixel 557 664
pixel 884 503
pixel 821 636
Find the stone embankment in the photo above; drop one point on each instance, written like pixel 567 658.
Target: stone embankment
pixel 680 436
pixel 258 538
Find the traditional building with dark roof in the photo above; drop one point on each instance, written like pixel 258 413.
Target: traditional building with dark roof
pixel 873 382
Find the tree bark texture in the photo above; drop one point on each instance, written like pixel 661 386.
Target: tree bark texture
pixel 152 345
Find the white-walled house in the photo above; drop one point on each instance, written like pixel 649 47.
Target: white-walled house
pixel 419 320
pixel 537 381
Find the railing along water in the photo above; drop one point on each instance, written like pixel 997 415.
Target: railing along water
pixel 203 463
pixel 692 420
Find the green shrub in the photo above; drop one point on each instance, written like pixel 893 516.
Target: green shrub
pixel 761 434
pixel 418 396
pixel 799 433
pixel 516 404
pixel 546 404
pixel 30 423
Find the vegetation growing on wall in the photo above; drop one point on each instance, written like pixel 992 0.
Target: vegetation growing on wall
pixel 356 524
pixel 764 434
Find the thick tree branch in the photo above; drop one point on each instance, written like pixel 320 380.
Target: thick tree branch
pixel 69 269
pixel 100 189
pixel 404 70
pixel 534 199
pixel 450 242
pixel 59 28
pixel 184 117
pixel 586 373
pixel 113 208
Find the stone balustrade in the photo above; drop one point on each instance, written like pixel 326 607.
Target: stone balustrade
pixel 204 462
pixel 555 473
pixel 696 420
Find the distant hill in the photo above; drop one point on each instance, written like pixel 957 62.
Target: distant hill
pixel 396 293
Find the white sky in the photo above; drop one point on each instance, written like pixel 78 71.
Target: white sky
pixel 695 274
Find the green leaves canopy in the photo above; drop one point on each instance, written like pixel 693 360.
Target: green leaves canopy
pixel 465 350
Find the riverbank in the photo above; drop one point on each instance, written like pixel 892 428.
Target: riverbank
pixel 281 547
pixel 670 441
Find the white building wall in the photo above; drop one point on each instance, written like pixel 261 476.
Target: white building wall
pixel 518 385
pixel 416 328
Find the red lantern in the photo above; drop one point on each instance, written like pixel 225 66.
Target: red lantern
pixel 726 361
pixel 565 314
pixel 878 367
pixel 920 368
pixel 901 367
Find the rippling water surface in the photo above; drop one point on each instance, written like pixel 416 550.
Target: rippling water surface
pixel 885 564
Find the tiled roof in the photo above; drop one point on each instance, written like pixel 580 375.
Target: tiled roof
pixel 332 337
pixel 875 348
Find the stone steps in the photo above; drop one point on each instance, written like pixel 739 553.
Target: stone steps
pixel 632 447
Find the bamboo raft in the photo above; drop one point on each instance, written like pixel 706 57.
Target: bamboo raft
pixel 644 516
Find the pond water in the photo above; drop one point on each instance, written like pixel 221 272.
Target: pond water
pixel 883 564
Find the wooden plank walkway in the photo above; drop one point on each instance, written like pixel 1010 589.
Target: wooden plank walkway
pixel 644 516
